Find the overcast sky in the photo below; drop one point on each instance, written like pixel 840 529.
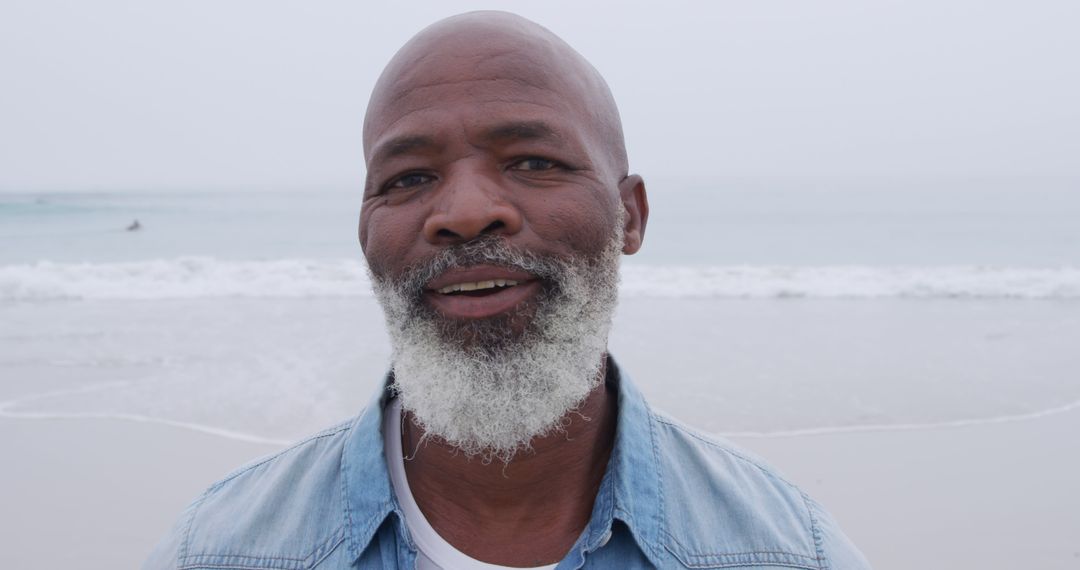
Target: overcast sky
pixel 256 93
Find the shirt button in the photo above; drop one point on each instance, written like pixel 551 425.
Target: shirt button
pixel 604 541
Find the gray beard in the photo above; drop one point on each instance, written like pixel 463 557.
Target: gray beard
pixel 477 386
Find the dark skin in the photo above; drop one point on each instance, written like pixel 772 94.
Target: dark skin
pixel 486 123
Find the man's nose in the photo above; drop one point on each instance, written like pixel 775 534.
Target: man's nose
pixel 470 206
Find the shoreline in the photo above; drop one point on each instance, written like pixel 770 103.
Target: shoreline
pixel 246 437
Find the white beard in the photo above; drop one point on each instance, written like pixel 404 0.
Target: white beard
pixel 491 398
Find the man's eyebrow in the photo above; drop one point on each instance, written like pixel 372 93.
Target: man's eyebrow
pixel 403 145
pixel 500 133
pixel 523 130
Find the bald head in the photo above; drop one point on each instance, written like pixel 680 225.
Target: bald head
pixel 493 57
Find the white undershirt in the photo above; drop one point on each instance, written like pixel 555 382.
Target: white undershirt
pixel 433 552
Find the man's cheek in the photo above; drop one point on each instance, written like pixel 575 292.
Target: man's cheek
pixel 579 233
pixel 387 243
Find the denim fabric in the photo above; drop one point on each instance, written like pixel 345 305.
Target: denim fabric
pixel 671 498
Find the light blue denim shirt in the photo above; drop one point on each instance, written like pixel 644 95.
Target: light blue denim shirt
pixel 671 498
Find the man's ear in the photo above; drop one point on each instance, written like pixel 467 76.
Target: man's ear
pixel 636 203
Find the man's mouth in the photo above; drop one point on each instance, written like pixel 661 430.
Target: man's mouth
pixel 480 291
pixel 477 288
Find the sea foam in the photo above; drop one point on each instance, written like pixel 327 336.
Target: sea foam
pixel 203 277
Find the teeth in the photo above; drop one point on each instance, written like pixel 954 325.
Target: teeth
pixel 475 285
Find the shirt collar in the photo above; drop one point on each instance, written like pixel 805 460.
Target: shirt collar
pixel 630 491
pixel 365 479
pixel 634 469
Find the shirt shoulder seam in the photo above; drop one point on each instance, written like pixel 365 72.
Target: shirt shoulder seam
pixel 815 528
pixel 662 511
pixel 189 521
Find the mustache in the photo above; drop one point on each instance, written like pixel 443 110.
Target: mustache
pixel 484 250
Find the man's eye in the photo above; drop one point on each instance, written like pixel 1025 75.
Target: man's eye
pixel 409 181
pixel 534 164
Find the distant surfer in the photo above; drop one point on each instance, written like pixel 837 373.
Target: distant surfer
pixel 135 226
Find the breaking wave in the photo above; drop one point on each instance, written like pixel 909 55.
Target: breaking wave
pixel 203 277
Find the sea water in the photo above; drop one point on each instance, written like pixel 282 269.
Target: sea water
pixel 755 307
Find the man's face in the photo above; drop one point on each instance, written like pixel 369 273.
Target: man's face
pixel 493 222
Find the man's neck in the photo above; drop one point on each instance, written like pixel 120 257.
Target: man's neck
pixel 525 513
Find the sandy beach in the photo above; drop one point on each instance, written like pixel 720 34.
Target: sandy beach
pixel 95 470
pixel 100 493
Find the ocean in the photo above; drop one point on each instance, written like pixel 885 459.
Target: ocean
pixel 756 307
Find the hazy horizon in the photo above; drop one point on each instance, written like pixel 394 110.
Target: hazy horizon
pixel 124 94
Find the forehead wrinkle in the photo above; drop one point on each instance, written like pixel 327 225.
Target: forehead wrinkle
pixel 520 130
pixel 408 87
pixel 404 144
pixel 559 110
pixel 472 85
pixel 390 113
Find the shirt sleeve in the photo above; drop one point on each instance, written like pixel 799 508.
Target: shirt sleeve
pixel 833 545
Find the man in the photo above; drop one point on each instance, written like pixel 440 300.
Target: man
pixel 497 205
